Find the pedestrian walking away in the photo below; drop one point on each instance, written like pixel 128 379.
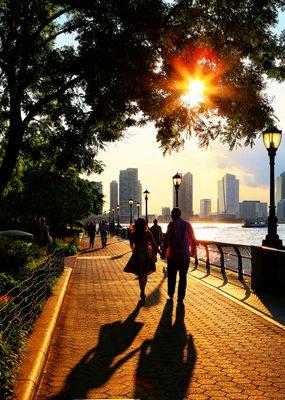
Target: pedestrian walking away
pixel 91 232
pixel 179 244
pixel 142 261
pixel 103 230
pixel 157 235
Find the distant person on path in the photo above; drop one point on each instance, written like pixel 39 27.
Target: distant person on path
pixel 44 236
pixel 178 245
pixel 141 262
pixel 112 228
pixel 91 231
pixel 103 230
pixel 157 234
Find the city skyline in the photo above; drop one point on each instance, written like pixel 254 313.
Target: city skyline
pixel 228 180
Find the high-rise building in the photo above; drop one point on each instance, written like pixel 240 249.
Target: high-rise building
pixel 114 196
pixel 139 199
pixel 281 210
pixel 185 196
pixel 228 195
pixel 205 208
pixel 165 211
pixel 280 187
pixel 252 210
pixel 128 189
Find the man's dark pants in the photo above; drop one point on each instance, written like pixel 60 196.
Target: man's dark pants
pixel 172 268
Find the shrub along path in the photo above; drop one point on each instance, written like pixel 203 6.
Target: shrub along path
pixel 105 346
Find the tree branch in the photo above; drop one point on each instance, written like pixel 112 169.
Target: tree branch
pixel 43 101
pixel 52 18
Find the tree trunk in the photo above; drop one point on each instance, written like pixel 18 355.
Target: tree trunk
pixel 12 149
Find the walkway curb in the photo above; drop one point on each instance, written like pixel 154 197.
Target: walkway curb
pixel 33 363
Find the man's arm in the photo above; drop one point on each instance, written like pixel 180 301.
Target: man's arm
pixel 192 241
pixel 165 242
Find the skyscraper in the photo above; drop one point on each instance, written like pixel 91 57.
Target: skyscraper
pixel 114 195
pixel 280 187
pixel 252 210
pixel 128 190
pixel 228 195
pixel 205 208
pixel 185 196
pixel 139 199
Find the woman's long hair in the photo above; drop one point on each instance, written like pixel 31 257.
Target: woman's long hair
pixel 140 228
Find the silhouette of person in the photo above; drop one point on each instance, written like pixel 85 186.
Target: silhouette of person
pixel 157 234
pixel 178 242
pixel 141 262
pixel 103 230
pixel 97 365
pixel 91 230
pixel 167 361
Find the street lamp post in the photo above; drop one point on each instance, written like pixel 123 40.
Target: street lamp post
pixel 118 216
pixel 138 208
pixel 131 210
pixel 271 140
pixel 113 211
pixel 177 179
pixel 146 193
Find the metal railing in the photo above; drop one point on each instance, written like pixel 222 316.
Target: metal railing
pixel 236 257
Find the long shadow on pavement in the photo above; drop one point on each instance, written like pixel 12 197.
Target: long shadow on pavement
pixel 167 361
pixel 94 369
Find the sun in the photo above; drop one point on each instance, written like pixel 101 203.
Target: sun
pixel 195 92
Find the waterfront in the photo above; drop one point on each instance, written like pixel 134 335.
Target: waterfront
pixel 231 233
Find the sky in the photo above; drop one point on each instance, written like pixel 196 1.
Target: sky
pixel 139 149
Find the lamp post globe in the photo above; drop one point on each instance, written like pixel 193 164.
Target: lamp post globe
pixel 177 180
pixel 138 209
pixel 131 202
pixel 272 140
pixel 146 193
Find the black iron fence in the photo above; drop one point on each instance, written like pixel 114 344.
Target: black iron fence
pixel 236 257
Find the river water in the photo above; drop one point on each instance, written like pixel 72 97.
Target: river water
pixel 231 233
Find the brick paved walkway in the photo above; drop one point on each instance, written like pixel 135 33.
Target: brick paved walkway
pixel 107 347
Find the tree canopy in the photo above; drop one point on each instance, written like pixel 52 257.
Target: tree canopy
pixel 124 67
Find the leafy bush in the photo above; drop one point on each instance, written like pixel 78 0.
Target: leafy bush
pixel 7 282
pixel 15 255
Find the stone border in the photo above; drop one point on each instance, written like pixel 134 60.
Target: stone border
pixel 33 363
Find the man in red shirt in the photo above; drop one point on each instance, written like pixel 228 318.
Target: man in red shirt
pixel 178 246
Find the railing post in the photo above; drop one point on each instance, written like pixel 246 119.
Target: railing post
pixel 222 258
pixel 240 273
pixel 207 257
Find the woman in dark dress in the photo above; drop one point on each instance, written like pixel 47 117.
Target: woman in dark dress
pixel 142 261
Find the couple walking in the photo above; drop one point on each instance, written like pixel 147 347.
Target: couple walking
pixel 179 241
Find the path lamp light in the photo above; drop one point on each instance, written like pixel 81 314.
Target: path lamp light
pixel 131 202
pixel 146 193
pixel 118 212
pixel 271 140
pixel 113 212
pixel 177 179
pixel 138 208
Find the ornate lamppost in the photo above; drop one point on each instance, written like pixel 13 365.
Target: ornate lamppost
pixel 138 209
pixel 271 140
pixel 146 193
pixel 118 212
pixel 177 179
pixel 131 202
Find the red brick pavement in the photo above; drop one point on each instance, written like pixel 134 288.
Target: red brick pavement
pixel 107 347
